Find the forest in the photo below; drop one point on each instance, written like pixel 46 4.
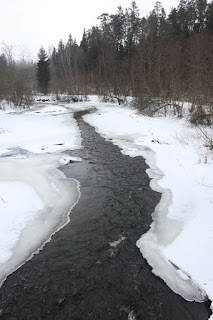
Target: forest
pixel 158 59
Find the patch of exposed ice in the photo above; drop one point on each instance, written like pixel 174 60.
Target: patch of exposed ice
pixel 114 244
pixel 68 159
pixel 132 316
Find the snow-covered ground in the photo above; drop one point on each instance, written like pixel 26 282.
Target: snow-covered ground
pixel 180 240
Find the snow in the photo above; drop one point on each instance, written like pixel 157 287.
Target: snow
pixel 35 196
pixel 39 132
pixel 68 159
pixel 179 243
pixel 27 203
pixel 50 109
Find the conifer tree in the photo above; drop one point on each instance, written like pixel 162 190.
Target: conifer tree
pixel 43 71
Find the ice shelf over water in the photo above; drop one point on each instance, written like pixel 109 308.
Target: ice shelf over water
pixel 35 196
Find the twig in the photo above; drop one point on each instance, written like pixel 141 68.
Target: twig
pixel 204 185
pixel 2 199
pixel 209 139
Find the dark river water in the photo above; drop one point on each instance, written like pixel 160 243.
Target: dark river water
pixel 83 273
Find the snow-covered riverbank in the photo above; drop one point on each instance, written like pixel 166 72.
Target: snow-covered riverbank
pixel 179 243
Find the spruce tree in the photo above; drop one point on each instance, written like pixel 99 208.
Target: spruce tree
pixel 43 71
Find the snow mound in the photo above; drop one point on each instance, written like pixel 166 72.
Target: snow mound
pixel 68 159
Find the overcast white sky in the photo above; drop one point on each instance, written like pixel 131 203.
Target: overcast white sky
pixel 28 24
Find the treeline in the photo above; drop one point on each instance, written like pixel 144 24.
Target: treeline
pixel 17 79
pixel 158 56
